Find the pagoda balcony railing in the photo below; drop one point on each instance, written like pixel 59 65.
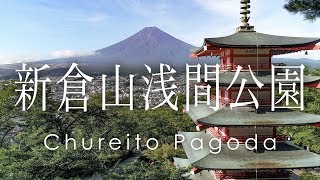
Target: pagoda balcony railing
pixel 242 139
pixel 222 101
pixel 260 66
pixel 226 101
pixel 236 175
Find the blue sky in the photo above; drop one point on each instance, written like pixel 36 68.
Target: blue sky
pixel 42 29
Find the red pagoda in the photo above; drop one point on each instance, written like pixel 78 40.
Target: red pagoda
pixel 243 48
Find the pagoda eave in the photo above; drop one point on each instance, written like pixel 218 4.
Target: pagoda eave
pixel 316 124
pixel 251 40
pixel 253 168
pixel 315 85
pixel 225 79
pixel 203 116
pixel 286 156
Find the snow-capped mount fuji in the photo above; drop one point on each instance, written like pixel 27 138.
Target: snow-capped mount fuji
pixel 150 45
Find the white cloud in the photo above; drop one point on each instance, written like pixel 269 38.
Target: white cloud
pixel 19 58
pixel 69 53
pixel 97 18
pixel 29 57
pixel 76 13
pixel 226 8
pixel 82 17
pixel 145 8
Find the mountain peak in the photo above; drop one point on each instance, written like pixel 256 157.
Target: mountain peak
pixel 152 32
pixel 149 44
pixel 151 28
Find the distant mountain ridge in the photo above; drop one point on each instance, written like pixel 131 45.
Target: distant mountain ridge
pixel 150 46
pixel 310 63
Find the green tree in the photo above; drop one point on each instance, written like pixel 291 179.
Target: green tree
pixel 309 176
pixel 9 116
pixel 142 170
pixel 27 158
pixel 310 9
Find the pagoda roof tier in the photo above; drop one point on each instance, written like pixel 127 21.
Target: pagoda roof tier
pixel 185 163
pixel 247 116
pixel 253 39
pixel 226 77
pixel 181 162
pixel 286 155
pixel 244 174
pixel 250 39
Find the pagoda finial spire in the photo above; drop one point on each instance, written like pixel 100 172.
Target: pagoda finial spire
pixel 244 11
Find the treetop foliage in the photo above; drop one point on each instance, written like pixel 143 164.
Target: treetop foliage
pixel 310 9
